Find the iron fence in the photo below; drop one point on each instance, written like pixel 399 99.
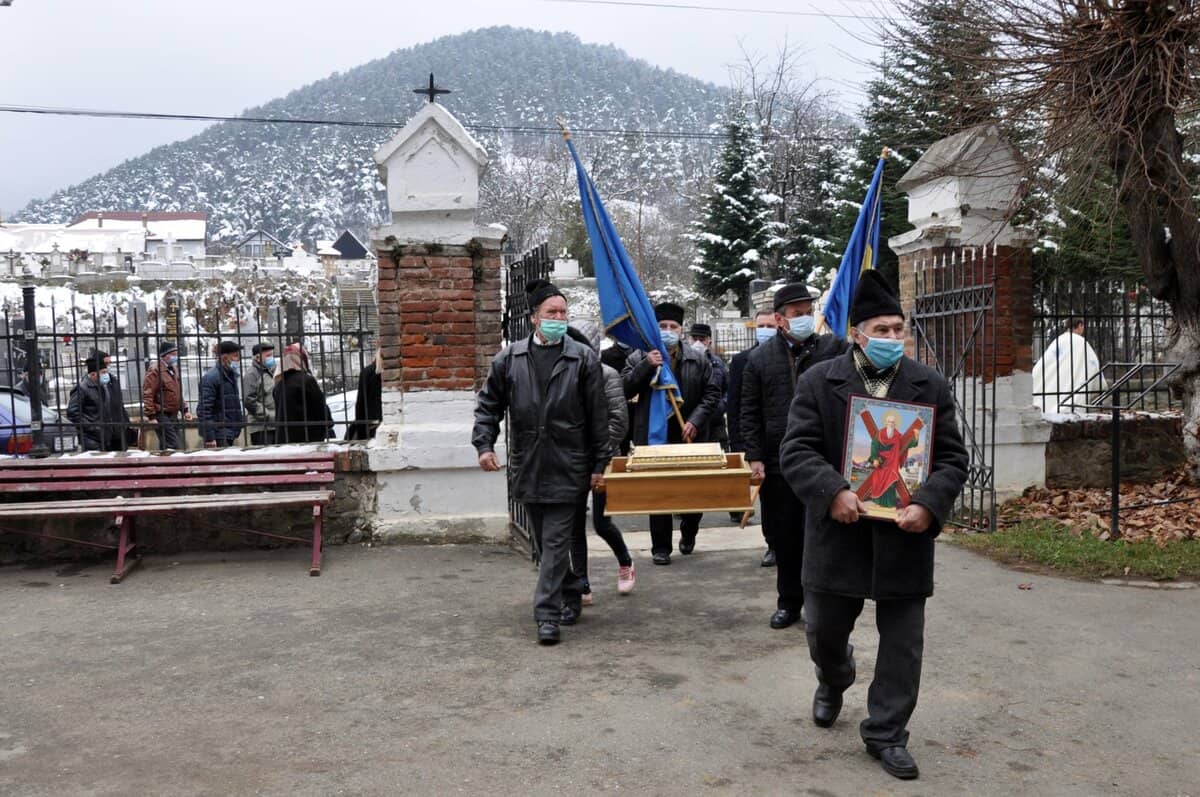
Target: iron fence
pixel 1121 323
pixel 519 272
pixel 337 343
pixel 954 330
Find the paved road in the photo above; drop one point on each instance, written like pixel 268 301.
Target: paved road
pixel 414 671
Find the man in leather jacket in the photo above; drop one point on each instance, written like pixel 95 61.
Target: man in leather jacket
pixel 553 391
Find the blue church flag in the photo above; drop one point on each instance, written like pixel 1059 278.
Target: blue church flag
pixel 859 256
pixel 626 310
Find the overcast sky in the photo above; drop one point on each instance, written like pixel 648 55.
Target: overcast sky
pixel 222 56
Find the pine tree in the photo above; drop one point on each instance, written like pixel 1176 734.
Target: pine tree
pixel 1083 233
pixel 736 231
pixel 916 100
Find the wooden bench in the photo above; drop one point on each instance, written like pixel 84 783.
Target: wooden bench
pixel 128 487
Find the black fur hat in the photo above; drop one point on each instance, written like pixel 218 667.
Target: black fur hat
pixel 873 297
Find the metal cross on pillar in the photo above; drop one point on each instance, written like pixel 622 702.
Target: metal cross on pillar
pixel 431 91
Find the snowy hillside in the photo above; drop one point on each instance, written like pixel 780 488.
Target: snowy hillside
pixel 306 182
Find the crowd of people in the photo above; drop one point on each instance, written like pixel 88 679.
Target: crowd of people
pixel 783 403
pixel 268 399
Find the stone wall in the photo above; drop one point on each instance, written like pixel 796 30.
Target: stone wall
pixel 1079 453
pixel 348 519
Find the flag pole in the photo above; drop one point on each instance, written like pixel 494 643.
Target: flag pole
pixel 675 408
pixel 884 154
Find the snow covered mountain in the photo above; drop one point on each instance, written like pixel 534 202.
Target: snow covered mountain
pixel 304 182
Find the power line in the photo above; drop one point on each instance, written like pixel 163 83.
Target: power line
pixel 691 7
pixel 697 135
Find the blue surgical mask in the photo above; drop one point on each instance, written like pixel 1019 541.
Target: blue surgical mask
pixel 801 327
pixel 172 360
pixel 670 339
pixel 763 334
pixel 552 330
pixel 884 352
pixel 104 379
pixel 234 366
pixel 269 363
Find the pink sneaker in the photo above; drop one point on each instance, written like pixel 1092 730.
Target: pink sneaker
pixel 626 578
pixel 587 599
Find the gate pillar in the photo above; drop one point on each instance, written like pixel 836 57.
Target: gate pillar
pixel 439 327
pixel 966 284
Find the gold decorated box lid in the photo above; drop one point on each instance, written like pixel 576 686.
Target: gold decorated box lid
pixel 675 456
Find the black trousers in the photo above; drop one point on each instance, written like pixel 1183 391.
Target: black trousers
pixel 556 584
pixel 264 438
pixel 892 696
pixel 662 529
pixel 605 530
pixel 783 529
pixel 170 431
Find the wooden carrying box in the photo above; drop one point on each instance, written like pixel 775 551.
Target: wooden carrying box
pixel 676 479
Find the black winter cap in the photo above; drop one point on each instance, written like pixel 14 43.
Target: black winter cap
pixel 873 297
pixel 669 311
pixel 539 291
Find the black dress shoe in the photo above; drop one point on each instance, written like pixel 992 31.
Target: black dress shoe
pixel 570 615
pixel 768 559
pixel 783 618
pixel 687 545
pixel 662 558
pixel 827 704
pixel 897 762
pixel 547 633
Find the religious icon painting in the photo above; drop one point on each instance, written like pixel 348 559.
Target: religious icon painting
pixel 886 457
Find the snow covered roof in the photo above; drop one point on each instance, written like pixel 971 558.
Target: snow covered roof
pixel 182 226
pixel 137 215
pixel 42 238
pixel 325 249
pixel 254 233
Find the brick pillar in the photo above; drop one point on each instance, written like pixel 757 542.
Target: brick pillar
pixel 439 315
pixel 938 268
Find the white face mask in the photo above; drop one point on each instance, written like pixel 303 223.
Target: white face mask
pixel 698 346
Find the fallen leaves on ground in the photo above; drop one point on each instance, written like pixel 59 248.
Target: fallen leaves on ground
pixel 1087 510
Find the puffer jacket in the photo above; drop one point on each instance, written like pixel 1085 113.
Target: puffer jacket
pixel 618 408
pixel 768 384
pixel 258 391
pixel 220 407
pixel 556 440
pixel 701 394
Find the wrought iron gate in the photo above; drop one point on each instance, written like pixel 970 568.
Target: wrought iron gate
pixel 519 271
pixel 954 331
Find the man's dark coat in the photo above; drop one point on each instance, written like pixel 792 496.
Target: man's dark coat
pixel 701 393
pixel 867 559
pixel 768 384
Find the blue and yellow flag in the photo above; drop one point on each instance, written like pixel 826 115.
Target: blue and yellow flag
pixel 860 255
pixel 626 310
